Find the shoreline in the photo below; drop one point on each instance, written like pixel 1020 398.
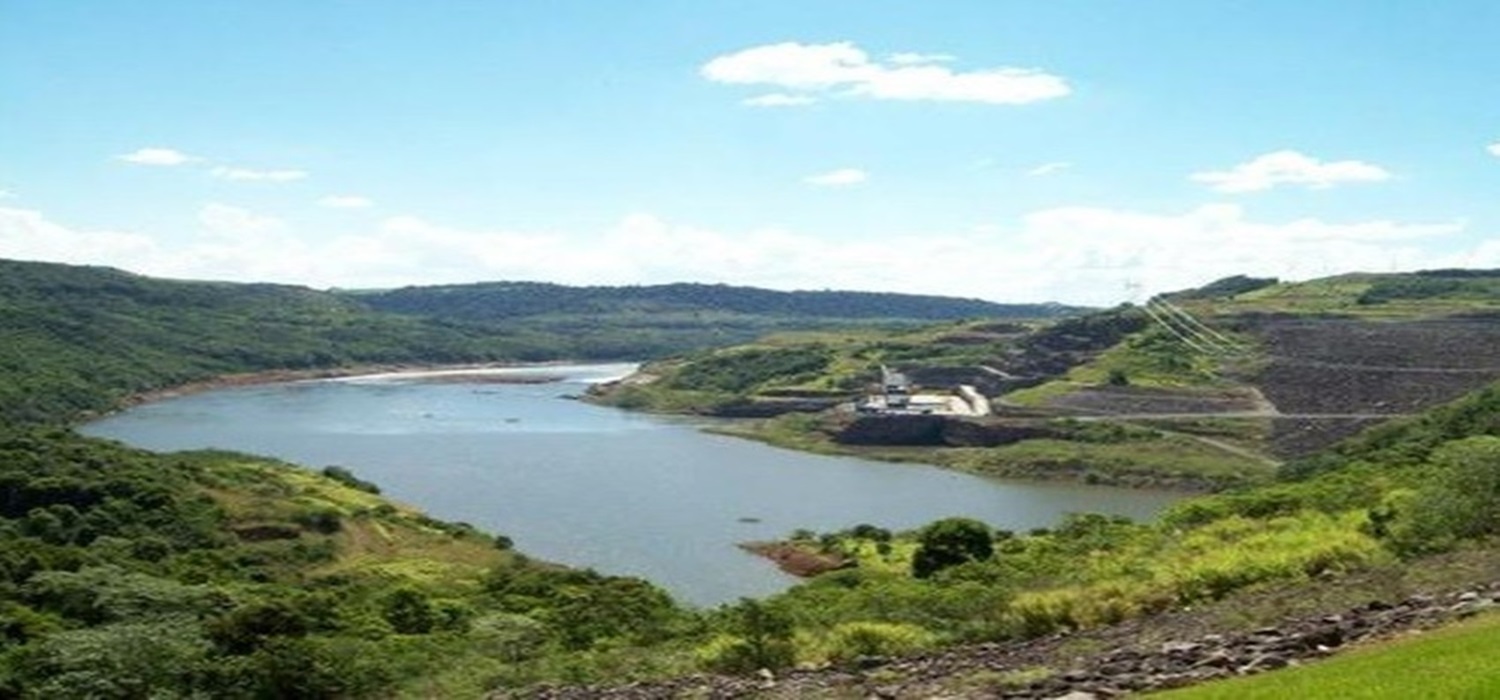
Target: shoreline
pixel 440 372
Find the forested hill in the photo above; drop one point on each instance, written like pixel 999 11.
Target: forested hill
pixel 508 300
pixel 81 338
pixel 76 339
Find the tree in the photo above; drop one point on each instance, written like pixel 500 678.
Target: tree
pixel 409 611
pixel 1461 500
pixel 126 660
pixel 950 542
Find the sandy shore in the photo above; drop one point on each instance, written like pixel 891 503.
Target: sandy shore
pixel 496 373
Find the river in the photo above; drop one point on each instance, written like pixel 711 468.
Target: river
pixel 586 485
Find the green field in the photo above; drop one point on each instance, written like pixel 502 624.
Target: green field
pixel 1452 663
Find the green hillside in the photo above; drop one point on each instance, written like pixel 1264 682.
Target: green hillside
pixel 80 339
pixel 653 321
pixel 130 574
pixel 1202 388
pixel 125 574
pixel 507 300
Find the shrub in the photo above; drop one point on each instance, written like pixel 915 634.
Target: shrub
pixel 852 640
pixel 950 542
pixel 321 520
pixel 1460 501
pixel 347 478
pixel 409 611
pixel 731 654
pixel 761 638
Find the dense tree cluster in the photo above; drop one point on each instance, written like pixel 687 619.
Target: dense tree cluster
pixel 509 300
pixel 128 574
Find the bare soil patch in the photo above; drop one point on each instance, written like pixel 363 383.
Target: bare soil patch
pixel 797 560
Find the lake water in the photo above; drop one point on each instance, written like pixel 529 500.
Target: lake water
pixel 586 485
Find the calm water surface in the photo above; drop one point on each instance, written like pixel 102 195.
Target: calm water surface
pixel 585 485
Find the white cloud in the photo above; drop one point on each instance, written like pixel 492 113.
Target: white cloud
pixel 842 69
pixel 1070 254
pixel 28 235
pixel 346 201
pixel 778 99
pixel 1494 149
pixel 1048 169
pixel 842 177
pixel 232 221
pixel 248 175
pixel 158 156
pixel 6 194
pixel 916 59
pixel 1290 168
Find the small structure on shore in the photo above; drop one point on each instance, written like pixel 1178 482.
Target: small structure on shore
pixel 895 388
pixel 895 396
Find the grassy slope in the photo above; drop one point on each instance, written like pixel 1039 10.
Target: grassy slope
pixel 378 538
pixel 1453 662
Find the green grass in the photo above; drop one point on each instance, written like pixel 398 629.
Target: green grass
pixel 1341 294
pixel 1450 663
pixel 1165 460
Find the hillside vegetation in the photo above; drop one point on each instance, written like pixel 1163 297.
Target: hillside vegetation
pixel 1418 498
pixel 78 339
pixel 130 574
pixel 499 300
pixel 1203 388
pixel 127 574
pixel 651 321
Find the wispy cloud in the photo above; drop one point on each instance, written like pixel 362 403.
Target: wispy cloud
pixel 844 70
pixel 1494 149
pixel 1290 168
pixel 843 177
pixel 249 175
pixel 346 201
pixel 1048 169
pixel 778 99
pixel 158 156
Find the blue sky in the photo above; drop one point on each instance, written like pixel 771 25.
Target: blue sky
pixel 1015 151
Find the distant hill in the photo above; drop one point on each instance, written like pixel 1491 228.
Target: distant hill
pixel 81 338
pixel 78 338
pixel 509 300
pixel 645 322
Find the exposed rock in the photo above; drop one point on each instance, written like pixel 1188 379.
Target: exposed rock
pixel 1117 671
